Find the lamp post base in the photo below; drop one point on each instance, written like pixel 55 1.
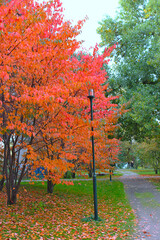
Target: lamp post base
pixel 95 197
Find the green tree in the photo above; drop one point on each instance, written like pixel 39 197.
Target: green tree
pixel 127 153
pixel 134 72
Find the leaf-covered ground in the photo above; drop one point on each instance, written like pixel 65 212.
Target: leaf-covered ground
pixel 66 213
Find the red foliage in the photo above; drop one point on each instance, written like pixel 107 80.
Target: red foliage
pixel 44 110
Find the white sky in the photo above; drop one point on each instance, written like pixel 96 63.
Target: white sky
pixel 95 10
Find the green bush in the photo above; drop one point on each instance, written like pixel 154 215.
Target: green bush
pixel 68 175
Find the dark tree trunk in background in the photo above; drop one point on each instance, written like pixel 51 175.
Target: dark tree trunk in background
pixel 156 171
pixel 50 186
pixel 73 174
pixel 3 177
pixel 90 171
pixel 2 183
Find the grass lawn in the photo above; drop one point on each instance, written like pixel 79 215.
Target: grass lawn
pixel 156 181
pixel 145 172
pixel 105 174
pixel 65 213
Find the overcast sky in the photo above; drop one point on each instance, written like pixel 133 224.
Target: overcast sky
pixel 96 10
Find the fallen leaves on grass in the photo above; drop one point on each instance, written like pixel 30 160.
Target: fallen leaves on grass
pixel 38 215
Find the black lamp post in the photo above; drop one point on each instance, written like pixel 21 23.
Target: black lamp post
pixel 91 96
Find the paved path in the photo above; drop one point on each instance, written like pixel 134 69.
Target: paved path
pixel 145 201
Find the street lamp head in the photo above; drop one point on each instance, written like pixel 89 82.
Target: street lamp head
pixel 91 93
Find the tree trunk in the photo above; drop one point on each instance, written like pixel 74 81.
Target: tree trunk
pixel 50 186
pixel 2 183
pixel 156 171
pixel 12 198
pixel 73 174
pixel 90 170
pixel 90 173
pixel 3 178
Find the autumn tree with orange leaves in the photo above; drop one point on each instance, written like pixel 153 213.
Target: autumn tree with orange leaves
pixel 44 110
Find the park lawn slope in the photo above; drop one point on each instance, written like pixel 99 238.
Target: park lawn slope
pixel 145 172
pixel 66 213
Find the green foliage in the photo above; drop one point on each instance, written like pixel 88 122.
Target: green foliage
pixel 149 153
pixel 143 154
pixel 68 175
pixel 135 70
pixel 127 153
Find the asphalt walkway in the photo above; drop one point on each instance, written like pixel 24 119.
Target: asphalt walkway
pixel 145 201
